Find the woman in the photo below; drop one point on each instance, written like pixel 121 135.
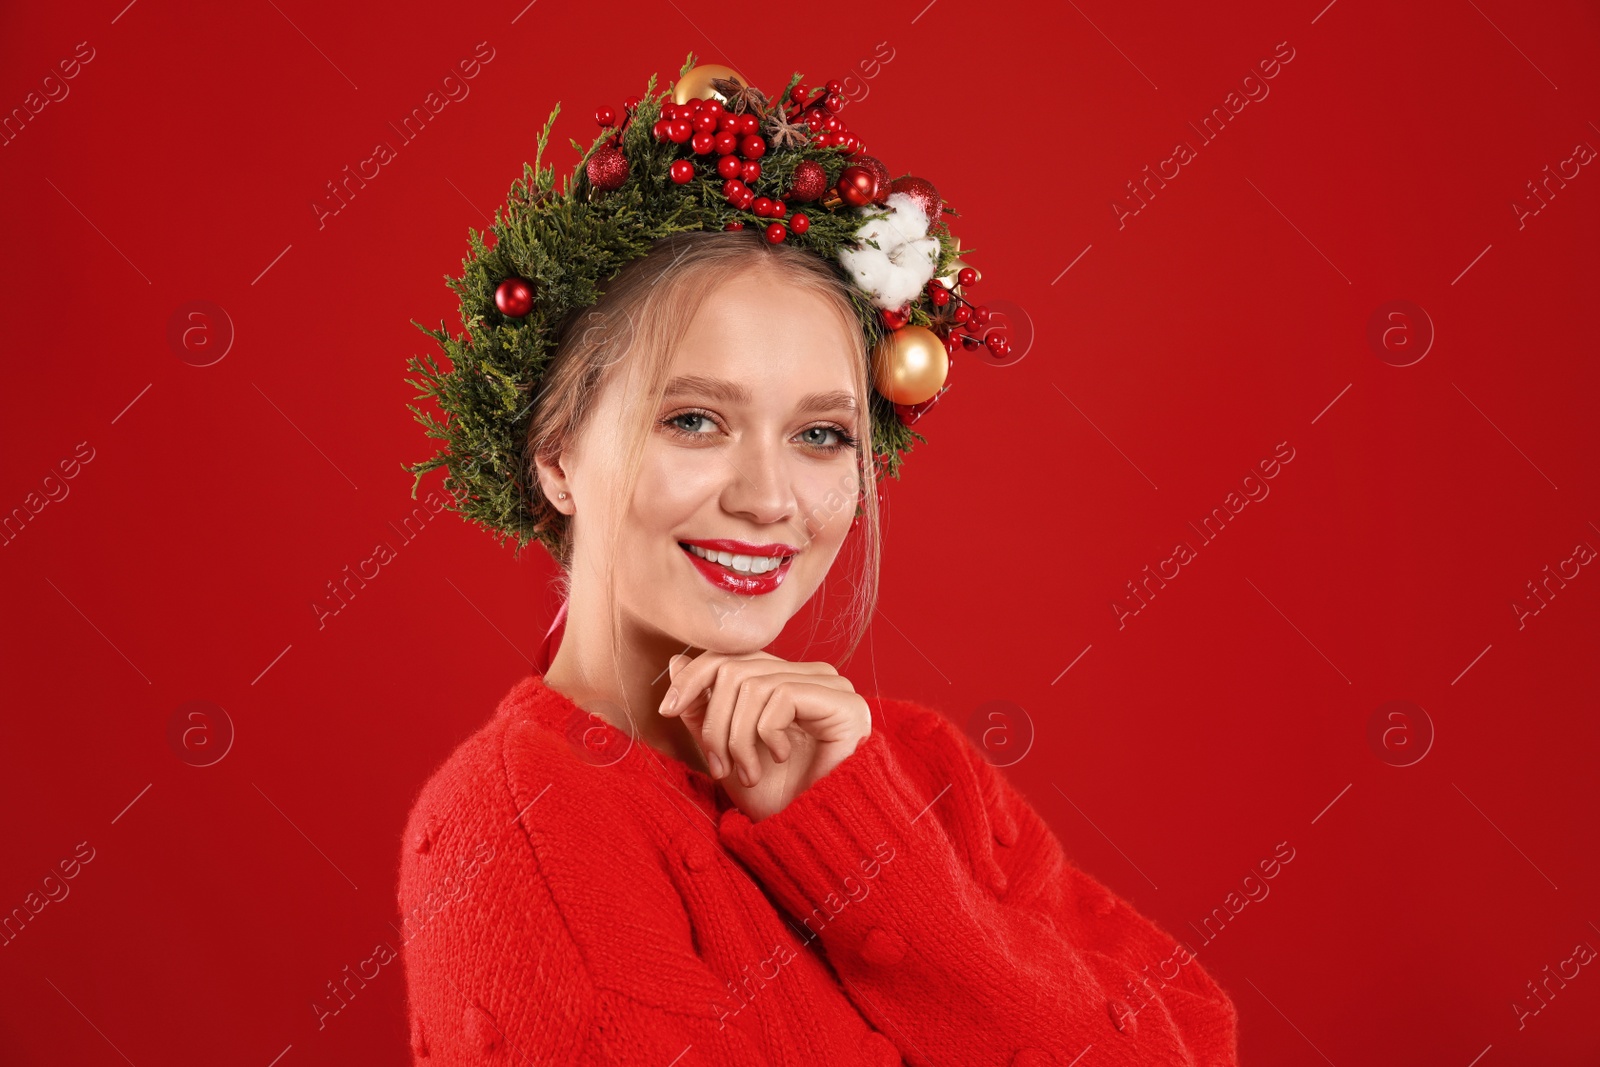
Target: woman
pixel 669 846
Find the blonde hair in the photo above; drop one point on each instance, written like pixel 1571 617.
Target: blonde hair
pixel 635 327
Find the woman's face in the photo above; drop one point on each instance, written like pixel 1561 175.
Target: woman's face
pixel 749 455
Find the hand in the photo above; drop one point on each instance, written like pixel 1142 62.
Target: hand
pixel 767 728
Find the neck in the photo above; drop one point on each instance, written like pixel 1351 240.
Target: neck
pixel 626 693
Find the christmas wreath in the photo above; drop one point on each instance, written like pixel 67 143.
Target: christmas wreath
pixel 718 155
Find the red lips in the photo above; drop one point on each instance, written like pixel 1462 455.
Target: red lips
pixel 746 585
pixel 744 548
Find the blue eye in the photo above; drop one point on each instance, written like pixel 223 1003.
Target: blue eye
pixel 674 420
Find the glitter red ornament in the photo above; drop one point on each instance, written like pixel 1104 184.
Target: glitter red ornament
pixel 927 197
pixel 607 169
pixel 810 182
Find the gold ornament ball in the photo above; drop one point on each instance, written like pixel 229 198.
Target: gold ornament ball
pixel 696 85
pixel 910 365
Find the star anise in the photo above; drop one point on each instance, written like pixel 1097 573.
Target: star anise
pixel 781 133
pixel 740 97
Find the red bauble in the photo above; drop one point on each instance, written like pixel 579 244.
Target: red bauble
pixel 775 232
pixel 857 186
pixel 810 182
pixel 910 413
pixel 607 169
pixel 514 297
pixel 922 191
pixel 880 174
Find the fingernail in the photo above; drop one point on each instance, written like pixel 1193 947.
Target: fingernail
pixel 670 702
pixel 744 776
pixel 716 765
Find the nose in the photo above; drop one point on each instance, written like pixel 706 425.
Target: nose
pixel 759 485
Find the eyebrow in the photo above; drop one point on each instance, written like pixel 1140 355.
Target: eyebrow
pixel 734 393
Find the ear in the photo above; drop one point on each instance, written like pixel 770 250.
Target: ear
pixel 555 485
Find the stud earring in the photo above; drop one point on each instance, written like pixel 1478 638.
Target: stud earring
pixel 563 496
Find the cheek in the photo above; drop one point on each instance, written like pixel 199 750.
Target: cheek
pixel 830 505
pixel 674 485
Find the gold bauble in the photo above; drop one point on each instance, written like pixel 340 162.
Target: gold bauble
pixel 910 365
pixel 696 85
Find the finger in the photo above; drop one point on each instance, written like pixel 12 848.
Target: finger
pixel 763 711
pixel 690 675
pixel 773 727
pixel 719 714
pixel 829 711
pixel 744 744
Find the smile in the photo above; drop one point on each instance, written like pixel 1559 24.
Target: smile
pixel 740 567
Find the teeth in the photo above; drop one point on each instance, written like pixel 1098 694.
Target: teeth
pixel 739 564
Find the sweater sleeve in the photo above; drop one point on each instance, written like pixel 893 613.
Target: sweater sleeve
pixel 949 911
pixel 538 929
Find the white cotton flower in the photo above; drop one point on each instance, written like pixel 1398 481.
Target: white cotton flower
pixel 894 273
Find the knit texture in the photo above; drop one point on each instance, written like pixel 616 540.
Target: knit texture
pixel 571 896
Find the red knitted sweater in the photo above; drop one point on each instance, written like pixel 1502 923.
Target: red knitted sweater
pixel 569 896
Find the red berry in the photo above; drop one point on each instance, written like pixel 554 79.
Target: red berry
pixel 762 206
pixel 834 86
pixel 962 313
pixel 799 224
pixel 631 104
pixel 980 315
pixel 727 142
pixel 775 233
pixel 750 171
pixel 997 343
pixel 733 188
pixel 834 103
pixel 734 226
pixel 746 198
pixel 730 167
pixel 679 131
pixel 702 143
pixel 727 120
pixel 752 146
pixel 714 107
pixel 682 171
pixel 968 276
pixel 751 123
pixel 606 117
pixel 778 210
pixel 659 130
pixel 941 296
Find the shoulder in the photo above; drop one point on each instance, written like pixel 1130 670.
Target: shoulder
pixel 504 847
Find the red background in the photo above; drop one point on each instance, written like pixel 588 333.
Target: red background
pixel 1230 314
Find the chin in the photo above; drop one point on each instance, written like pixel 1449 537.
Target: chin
pixel 733 631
